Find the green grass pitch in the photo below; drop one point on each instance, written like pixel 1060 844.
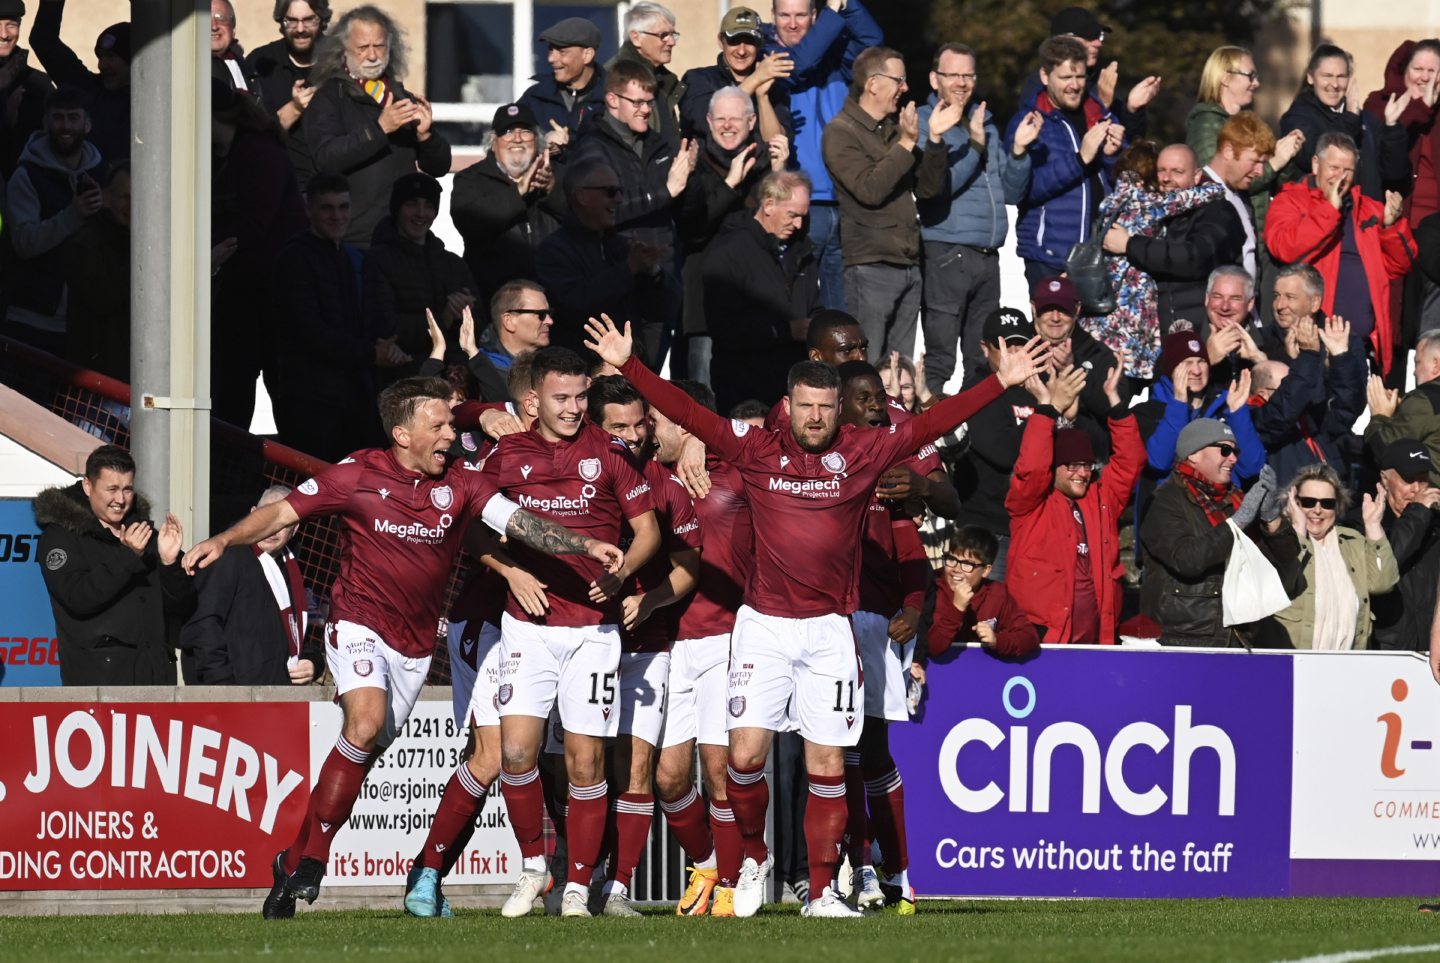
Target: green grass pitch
pixel 1108 930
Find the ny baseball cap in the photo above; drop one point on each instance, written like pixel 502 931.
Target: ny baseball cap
pixel 572 32
pixel 1077 21
pixel 511 116
pixel 1408 459
pixel 1007 324
pixel 740 22
pixel 1202 433
pixel 1056 292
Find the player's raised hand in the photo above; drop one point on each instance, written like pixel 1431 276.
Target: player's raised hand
pixel 202 555
pixel 690 467
pixel 497 423
pixel 610 343
pixel 1019 362
pixel 606 554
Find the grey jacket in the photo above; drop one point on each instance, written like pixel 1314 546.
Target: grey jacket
pixel 981 182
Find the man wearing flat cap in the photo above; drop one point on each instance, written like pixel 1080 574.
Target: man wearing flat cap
pixel 574 93
pixel 1412 526
pixel 1064 520
pixel 1185 543
pixel 506 204
pixel 739 64
pixel 22 89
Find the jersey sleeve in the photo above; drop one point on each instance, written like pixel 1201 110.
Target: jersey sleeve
pixel 326 493
pixel 631 488
pixel 727 438
pixel 684 533
pixel 483 499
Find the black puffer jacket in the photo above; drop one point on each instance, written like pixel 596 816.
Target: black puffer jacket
pixel 1184 565
pixel 113 609
pixel 402 279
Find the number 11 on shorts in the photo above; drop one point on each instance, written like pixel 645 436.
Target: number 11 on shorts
pixel 843 702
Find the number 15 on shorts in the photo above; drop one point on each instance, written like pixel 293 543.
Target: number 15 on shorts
pixel 602 688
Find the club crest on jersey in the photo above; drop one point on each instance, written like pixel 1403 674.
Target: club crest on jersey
pixel 589 469
pixel 833 462
pixel 739 427
pixel 737 706
pixel 442 497
pixel 506 691
pixel 363 667
pixel 308 487
pixel 467 440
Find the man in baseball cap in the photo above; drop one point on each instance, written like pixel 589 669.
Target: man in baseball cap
pixel 1055 306
pixel 574 92
pixel 739 65
pixel 1412 526
pixel 1006 326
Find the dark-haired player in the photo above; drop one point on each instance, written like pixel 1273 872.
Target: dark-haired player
pixel 404 511
pixel 569 471
pixel 792 647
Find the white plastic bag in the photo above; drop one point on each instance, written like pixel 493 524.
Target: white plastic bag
pixel 1252 589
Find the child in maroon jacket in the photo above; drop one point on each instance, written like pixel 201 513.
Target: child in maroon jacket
pixel 970 608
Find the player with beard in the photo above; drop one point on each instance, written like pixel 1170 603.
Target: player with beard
pixel 282 70
pixel 894 574
pixel 565 469
pixel 404 511
pixel 695 710
pixel 792 650
pixel 646 635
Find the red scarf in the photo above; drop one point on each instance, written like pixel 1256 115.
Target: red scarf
pixel 291 616
pixel 1217 501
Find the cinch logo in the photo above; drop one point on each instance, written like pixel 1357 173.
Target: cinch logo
pixel 1029 788
pixel 1390 751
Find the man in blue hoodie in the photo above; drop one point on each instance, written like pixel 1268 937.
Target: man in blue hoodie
pixel 1070 162
pixel 963 229
pixel 822 46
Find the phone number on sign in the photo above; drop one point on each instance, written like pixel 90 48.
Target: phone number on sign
pixel 18 650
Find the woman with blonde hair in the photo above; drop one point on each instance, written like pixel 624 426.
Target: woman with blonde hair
pixel 1343 567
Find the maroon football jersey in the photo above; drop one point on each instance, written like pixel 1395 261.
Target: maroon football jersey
pixel 679 531
pixel 399 534
pixel 589 485
pixel 727 556
pixel 808 507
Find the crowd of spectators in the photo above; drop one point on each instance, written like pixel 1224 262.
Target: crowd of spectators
pixel 1267 285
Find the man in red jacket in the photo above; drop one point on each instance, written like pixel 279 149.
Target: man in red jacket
pixel 1055 502
pixel 1357 244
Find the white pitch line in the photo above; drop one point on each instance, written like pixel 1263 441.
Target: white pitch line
pixel 1351 956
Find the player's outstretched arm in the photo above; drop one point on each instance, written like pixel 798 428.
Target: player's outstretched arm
pixel 546 536
pixel 615 346
pixel 258 525
pixel 1016 364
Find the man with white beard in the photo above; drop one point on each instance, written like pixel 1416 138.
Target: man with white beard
pixel 505 205
pixel 362 123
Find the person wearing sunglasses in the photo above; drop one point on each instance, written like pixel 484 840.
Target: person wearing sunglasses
pixel 1343 567
pixel 1185 543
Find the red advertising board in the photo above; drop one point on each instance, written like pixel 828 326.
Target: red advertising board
pixel 149 795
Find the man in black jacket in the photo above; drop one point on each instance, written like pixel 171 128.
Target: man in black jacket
pixel 326 406
pixel 362 123
pixel 282 70
pixel 1194 243
pixel 20 84
pixel 573 96
pixel 760 284
pixel 250 615
pixel 739 64
pixel 506 204
pixel 115 586
pixel 108 86
pixel 1412 526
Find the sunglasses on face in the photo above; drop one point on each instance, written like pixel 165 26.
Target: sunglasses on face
pixel 1309 501
pixel 1227 451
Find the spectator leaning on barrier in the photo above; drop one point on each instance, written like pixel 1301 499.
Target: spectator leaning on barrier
pixel 362 122
pixel 971 607
pixel 1186 543
pixel 739 64
pixel 1065 522
pixel 1357 244
pixel 574 93
pixel 650 39
pixel 963 228
pixel 1412 527
pixel 761 285
pixel 822 43
pixel 1069 164
pixel 870 151
pixel 1342 568
pixel 282 71
pixel 115 583
pixel 22 88
pixel 250 615
pixel 506 204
